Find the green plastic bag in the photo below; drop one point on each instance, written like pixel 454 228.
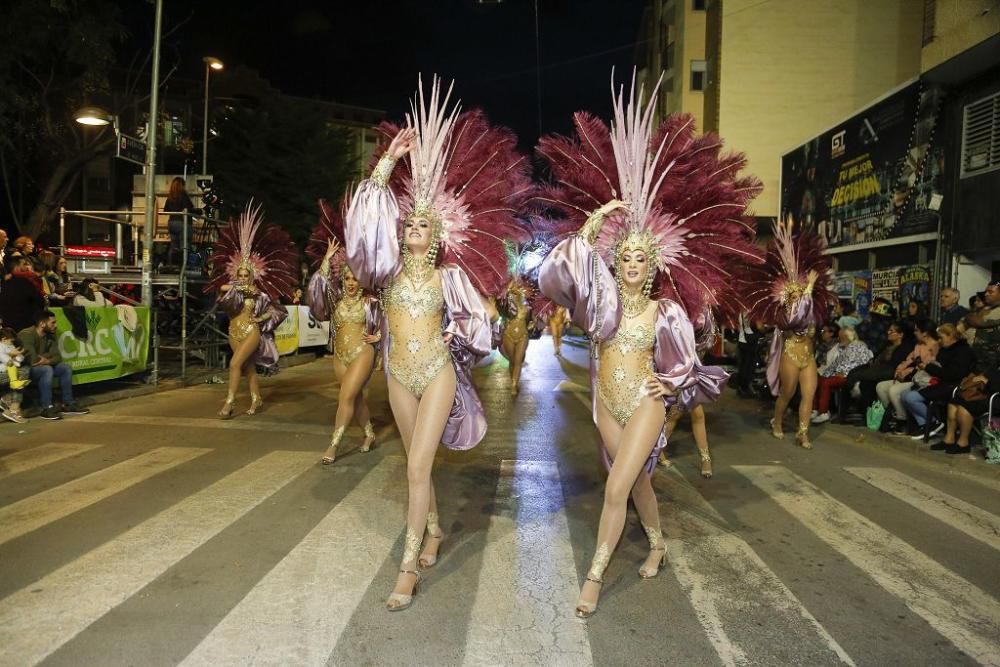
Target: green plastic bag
pixel 991 440
pixel 874 415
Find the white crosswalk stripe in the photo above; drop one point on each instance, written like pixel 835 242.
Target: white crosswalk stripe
pixel 523 615
pixel 41 617
pixel 958 610
pixel 711 562
pixel 36 457
pixel 966 517
pixel 296 614
pixel 40 509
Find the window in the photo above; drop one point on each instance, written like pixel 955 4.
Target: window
pixel 698 68
pixel 670 56
pixel 981 136
pixel 698 5
pixel 930 18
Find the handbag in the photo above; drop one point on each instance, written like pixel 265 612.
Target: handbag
pixel 874 416
pixel 922 379
pixel 972 389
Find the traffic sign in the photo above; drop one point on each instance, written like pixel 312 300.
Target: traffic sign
pixel 131 149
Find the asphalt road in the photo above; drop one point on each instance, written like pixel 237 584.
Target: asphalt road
pixel 152 533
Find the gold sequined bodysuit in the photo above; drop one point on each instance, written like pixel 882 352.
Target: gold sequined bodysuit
pixel 349 324
pixel 241 326
pixel 799 347
pixel 417 352
pixel 626 362
pixel 517 327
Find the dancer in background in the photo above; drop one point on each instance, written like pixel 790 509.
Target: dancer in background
pixel 669 221
pixel 253 268
pixel 789 292
pixel 458 191
pixel 355 317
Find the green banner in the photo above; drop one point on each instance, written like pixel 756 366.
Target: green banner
pixel 117 342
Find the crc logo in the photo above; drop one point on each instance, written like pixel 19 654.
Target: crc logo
pixel 837 144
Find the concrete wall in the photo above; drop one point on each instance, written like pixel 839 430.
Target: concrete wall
pixel 791 69
pixel 959 25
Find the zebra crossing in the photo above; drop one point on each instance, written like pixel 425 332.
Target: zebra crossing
pixel 520 599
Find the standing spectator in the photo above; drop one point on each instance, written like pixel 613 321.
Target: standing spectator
pixel 977 302
pixel 853 353
pixel 914 311
pixel 883 367
pixel 3 246
pixel 874 331
pixel 747 338
pixel 986 322
pixel 954 361
pixel 890 392
pixel 178 201
pixel 41 353
pixel 951 311
pixel 848 315
pixel 90 295
pixel 24 246
pixel 20 299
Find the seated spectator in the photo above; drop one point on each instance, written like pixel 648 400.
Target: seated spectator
pixel 890 392
pixel 874 332
pixel 827 348
pixel 853 353
pixel 55 280
pixel 90 295
pixel 986 322
pixel 20 300
pixel 848 316
pixel 951 311
pixel 883 367
pixel 962 412
pixel 24 246
pixel 41 353
pixel 954 361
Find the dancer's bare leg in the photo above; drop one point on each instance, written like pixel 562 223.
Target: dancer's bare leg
pixel 424 419
pixel 788 374
pixel 700 433
pixel 517 361
pixel 808 380
pixel 352 382
pixel 633 448
pixel 242 352
pixel 673 416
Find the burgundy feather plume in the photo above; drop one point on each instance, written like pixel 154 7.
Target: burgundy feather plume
pixel 330 226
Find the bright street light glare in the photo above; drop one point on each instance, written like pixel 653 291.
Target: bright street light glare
pixel 92 116
pixel 214 63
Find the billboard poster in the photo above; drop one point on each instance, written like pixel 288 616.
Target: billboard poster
pixel 871 178
pixel 116 343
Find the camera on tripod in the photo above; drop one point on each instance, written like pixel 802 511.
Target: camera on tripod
pixel 211 198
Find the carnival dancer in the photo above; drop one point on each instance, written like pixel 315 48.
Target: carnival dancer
pixel 789 292
pixel 458 190
pixel 335 295
pixel 706 334
pixel 665 223
pixel 253 266
pixel 516 306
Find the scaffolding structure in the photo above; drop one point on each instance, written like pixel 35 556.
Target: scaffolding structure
pixel 205 336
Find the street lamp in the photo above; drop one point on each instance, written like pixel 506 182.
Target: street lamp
pixel 93 116
pixel 210 64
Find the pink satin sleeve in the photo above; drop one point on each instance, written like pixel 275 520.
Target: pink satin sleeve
pixel 322 295
pixel 471 336
pixel 575 276
pixel 675 360
pixel 370 232
pixel 373 315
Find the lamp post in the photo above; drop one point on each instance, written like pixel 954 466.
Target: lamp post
pixel 150 222
pixel 210 64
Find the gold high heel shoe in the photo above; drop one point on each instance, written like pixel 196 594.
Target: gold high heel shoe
pixel 595 575
pixel 776 431
pixel 330 455
pixel 706 464
pixel 227 408
pixel 802 436
pixel 656 543
pixel 434 531
pixel 400 601
pixel 369 437
pixel 256 403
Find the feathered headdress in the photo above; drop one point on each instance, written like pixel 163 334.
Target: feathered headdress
pixel 773 287
pixel 467 179
pixel 329 227
pixel 265 250
pixel 687 205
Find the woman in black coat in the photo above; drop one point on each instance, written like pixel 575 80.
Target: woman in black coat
pixel 901 342
pixel 954 361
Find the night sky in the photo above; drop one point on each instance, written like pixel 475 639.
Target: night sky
pixel 369 53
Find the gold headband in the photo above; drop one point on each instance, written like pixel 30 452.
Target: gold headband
pixel 641 241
